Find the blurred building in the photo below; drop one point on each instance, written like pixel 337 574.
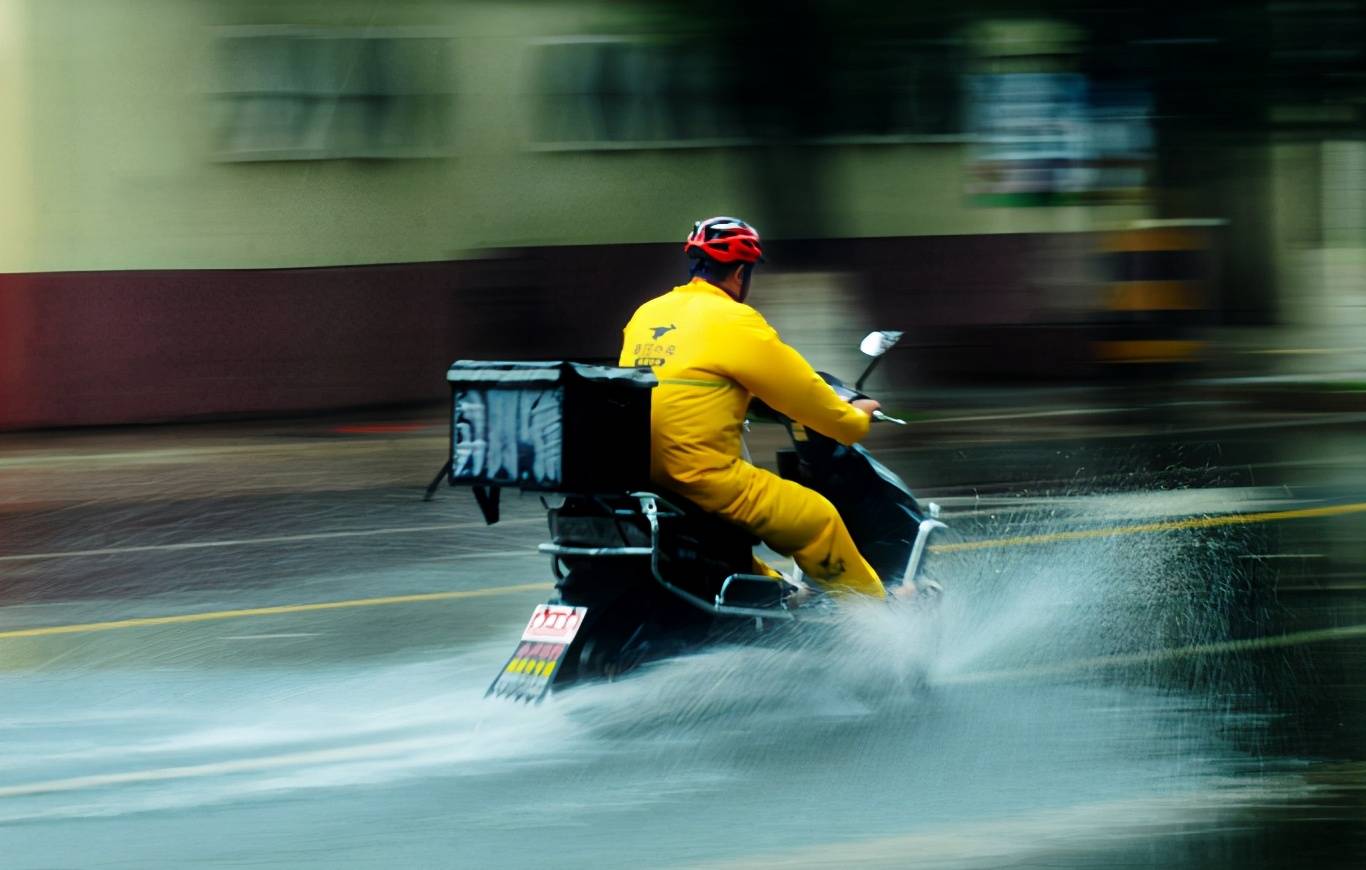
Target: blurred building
pixel 231 206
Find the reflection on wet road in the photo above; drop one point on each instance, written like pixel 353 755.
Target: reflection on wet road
pixel 255 645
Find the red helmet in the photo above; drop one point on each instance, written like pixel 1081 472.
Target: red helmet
pixel 725 240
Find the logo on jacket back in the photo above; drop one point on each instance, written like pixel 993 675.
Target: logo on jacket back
pixel 660 330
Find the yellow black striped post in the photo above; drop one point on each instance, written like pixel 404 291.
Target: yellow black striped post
pixel 1156 296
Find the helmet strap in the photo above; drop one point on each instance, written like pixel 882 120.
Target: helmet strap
pixel 746 272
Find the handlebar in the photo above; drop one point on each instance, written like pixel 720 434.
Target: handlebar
pixel 760 411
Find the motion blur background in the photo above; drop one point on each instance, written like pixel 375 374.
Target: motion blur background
pixel 1126 243
pixel 226 207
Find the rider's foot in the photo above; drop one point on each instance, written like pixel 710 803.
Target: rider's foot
pixel 802 594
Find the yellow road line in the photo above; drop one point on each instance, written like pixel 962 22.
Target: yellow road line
pixel 214 615
pixel 1124 660
pixel 1146 528
pixel 254 542
pixel 1024 540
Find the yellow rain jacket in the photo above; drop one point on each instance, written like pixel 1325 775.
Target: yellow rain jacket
pixel 711 354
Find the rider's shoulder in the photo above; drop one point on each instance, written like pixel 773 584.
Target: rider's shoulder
pixel 747 315
pixel 650 305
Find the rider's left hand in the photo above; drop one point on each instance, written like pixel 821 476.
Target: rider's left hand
pixel 867 406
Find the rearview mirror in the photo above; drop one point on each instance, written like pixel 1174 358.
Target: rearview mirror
pixel 877 343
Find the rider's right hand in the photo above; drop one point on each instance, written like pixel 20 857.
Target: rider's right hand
pixel 867 406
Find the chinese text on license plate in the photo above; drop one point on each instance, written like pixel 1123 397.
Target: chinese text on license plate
pixel 529 672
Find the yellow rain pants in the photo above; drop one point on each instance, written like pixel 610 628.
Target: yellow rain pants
pixel 711 354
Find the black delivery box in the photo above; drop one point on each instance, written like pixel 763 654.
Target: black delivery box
pixel 550 426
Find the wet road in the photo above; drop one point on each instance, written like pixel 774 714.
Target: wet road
pixel 254 645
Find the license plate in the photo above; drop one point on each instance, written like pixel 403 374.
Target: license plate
pixel 531 668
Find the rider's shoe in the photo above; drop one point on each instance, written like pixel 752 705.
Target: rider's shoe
pixel 929 589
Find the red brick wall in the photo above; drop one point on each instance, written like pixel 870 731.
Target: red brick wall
pixel 89 348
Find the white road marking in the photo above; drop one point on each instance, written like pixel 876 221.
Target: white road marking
pixel 1298 423
pixel 271 636
pixel 1253 557
pixel 222 768
pixel 1022 840
pixel 178 453
pixel 255 542
pixel 1026 415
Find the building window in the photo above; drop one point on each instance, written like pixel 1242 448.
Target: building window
pixel 302 94
pixel 613 92
pixel 608 92
pixel 898 91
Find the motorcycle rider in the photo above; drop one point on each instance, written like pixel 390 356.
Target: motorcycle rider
pixel 711 352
